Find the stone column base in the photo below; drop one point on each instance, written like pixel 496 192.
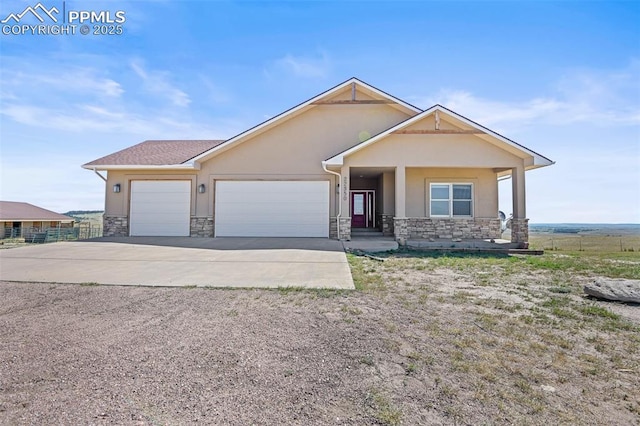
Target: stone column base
pixel 201 227
pixel 386 224
pixel 345 228
pixel 520 231
pixel 401 230
pixel 115 226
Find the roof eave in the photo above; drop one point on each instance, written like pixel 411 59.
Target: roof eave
pixel 539 160
pixel 35 219
pixel 186 166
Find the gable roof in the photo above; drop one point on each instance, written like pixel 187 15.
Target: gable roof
pixel 18 211
pixel 302 106
pixel 538 159
pixel 154 153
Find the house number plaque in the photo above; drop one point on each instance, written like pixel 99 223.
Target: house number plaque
pixel 345 189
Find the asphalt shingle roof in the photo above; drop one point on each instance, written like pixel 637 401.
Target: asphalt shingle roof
pixel 157 153
pixel 17 211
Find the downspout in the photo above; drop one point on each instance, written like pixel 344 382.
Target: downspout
pixel 324 167
pixel 101 177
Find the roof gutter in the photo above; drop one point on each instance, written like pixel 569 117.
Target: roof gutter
pixel 101 177
pixel 324 167
pixel 189 166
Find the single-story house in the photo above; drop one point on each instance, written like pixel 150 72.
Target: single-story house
pixel 21 220
pixel 351 157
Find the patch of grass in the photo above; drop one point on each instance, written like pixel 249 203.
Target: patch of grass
pixel 411 368
pixel 89 284
pixel 588 264
pixel 367 360
pixel 384 410
pixel 560 290
pixel 365 275
pixel 597 311
pixel 351 310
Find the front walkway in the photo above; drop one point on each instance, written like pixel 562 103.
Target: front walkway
pixel 178 261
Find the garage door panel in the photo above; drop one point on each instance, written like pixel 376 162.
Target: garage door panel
pixel 171 207
pixel 160 208
pixel 272 208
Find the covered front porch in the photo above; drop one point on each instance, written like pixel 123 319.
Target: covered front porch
pixel 428 203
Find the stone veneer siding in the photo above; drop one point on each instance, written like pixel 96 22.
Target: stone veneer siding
pixel 520 231
pixel 345 228
pixel 201 227
pixel 115 226
pixel 419 227
pixel 385 223
pixel 333 228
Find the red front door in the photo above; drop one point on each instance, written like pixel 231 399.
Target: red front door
pixel 358 209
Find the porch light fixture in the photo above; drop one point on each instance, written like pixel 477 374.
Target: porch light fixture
pixel 116 188
pixel 201 188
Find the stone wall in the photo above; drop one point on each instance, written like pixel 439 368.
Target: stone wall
pixel 520 231
pixel 418 227
pixel 401 229
pixel 201 227
pixel 115 226
pixel 333 228
pixel 385 223
pixel 345 228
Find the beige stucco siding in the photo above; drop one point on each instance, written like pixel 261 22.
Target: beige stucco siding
pixel 299 145
pixel 433 151
pixel 485 189
pixel 293 150
pixel 117 204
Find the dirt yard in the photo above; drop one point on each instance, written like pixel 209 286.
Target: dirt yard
pixel 424 340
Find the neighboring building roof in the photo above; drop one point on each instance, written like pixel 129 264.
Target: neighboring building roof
pixel 539 160
pixel 156 153
pixel 17 211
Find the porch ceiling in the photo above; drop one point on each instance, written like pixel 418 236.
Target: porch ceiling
pixel 369 172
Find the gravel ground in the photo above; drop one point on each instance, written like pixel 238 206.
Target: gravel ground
pixel 117 355
pixel 392 354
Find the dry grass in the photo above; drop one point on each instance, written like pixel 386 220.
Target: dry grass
pixel 511 339
pixel 588 243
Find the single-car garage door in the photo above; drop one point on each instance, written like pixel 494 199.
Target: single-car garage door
pixel 272 209
pixel 160 208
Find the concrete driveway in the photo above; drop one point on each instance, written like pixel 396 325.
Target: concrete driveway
pixel 183 261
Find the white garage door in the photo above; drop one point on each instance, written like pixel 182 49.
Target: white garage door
pixel 160 208
pixel 272 209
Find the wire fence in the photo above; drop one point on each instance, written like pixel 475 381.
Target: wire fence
pixel 38 235
pixel 589 243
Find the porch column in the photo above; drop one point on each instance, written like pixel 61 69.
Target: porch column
pixel 400 192
pixel 344 224
pixel 400 221
pixel 518 193
pixel 519 222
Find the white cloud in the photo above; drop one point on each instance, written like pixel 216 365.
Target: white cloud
pixel 602 98
pixel 76 80
pixel 305 66
pixel 157 82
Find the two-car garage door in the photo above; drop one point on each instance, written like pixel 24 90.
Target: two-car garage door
pixel 272 209
pixel 242 208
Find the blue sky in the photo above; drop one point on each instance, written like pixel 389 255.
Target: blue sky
pixel 562 78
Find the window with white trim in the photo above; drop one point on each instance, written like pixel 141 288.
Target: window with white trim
pixel 451 199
